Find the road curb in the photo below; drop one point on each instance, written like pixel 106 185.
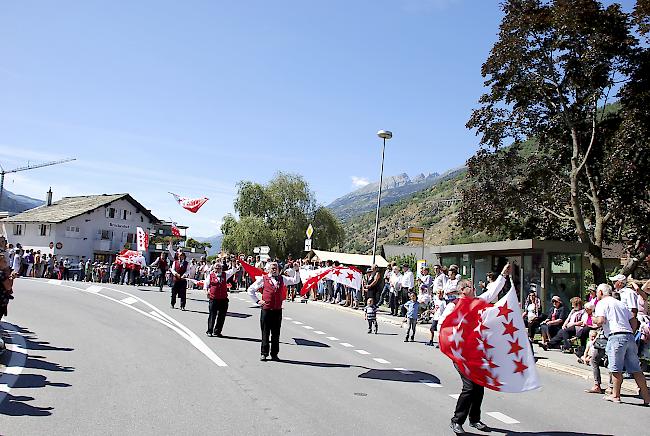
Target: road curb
pixel 629 386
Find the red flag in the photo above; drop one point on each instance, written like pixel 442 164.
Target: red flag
pixel 311 282
pixel 191 204
pixel 489 344
pixel 252 271
pixel 175 230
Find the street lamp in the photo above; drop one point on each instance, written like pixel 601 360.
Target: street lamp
pixel 383 134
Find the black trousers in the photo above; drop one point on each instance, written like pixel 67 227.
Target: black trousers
pixel 270 323
pixel 179 288
pixel 217 312
pixel 469 402
pixel 161 279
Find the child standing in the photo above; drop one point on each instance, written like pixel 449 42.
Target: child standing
pixel 412 308
pixel 438 308
pixel 371 315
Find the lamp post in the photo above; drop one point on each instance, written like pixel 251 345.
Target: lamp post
pixel 384 134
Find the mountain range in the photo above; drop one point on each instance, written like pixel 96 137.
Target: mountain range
pixel 214 240
pixel 15 203
pixel 394 188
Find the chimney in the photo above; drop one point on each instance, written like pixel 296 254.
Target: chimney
pixel 49 197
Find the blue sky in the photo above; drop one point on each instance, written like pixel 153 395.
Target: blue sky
pixel 191 97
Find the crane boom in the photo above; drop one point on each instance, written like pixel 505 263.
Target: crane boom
pixel 41 165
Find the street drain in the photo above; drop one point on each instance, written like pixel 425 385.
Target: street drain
pixel 360 394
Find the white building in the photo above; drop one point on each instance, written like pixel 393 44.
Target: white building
pixel 94 226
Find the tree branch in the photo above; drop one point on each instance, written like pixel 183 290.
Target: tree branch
pixel 557 215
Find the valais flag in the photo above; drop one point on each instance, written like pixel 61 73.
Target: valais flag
pixel 143 239
pixel 175 230
pixel 489 344
pixel 346 275
pixel 193 205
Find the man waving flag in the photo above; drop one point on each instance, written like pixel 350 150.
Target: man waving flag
pixel 489 347
pixel 191 204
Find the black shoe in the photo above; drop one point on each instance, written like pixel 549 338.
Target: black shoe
pixel 480 426
pixel 412 339
pixel 457 428
pixel 407 339
pixel 263 358
pixel 208 334
pixel 173 307
pixel 369 331
pixel 430 343
pixel 182 308
pixel 275 358
pixel 375 331
pixel 219 335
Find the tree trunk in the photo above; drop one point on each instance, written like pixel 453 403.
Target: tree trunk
pixel 595 254
pixel 634 261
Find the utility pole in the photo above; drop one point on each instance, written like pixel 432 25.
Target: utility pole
pixel 25 168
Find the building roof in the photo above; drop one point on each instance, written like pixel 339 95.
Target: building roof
pixel 348 258
pixel 515 245
pixel 70 207
pixel 391 251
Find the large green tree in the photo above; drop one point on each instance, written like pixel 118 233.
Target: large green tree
pixel 574 164
pixel 277 215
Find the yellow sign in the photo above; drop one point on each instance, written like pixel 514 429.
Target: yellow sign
pixel 310 231
pixel 415 234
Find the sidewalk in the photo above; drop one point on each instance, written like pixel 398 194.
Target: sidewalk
pixel 553 360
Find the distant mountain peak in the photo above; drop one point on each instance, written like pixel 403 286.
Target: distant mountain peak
pixel 16 203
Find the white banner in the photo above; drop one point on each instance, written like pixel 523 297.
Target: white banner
pixel 143 239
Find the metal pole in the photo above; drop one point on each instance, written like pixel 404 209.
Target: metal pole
pixel 381 179
pixel 2 184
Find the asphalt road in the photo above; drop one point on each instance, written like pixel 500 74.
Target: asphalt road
pixel 118 360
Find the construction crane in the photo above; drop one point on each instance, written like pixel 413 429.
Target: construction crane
pixel 25 168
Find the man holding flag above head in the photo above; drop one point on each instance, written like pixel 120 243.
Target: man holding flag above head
pixel 489 347
pixel 273 288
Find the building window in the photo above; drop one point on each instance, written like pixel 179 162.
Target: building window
pixel 18 229
pixel 110 212
pixel 125 214
pixel 44 229
pixel 130 237
pixel 160 231
pixel 106 235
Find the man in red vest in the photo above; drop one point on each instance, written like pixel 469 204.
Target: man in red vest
pixel 273 287
pixel 179 287
pixel 217 292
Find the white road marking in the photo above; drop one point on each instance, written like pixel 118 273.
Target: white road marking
pixel 318 332
pixel 165 320
pixel 17 359
pixel 403 371
pixel 308 327
pixel 455 397
pixel 288 319
pixel 430 383
pixel 129 300
pixel 503 418
pixel 54 282
pixel 93 288
pixel 345 344
pixel 297 322
pixel 332 338
pixel 362 351
pixel 379 360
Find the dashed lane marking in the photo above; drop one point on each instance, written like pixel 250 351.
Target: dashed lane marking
pixel 379 360
pixel 430 383
pixel 318 332
pixel 17 359
pixel 297 322
pixel 503 418
pixel 13 370
pixel 308 327
pixel 332 338
pixel 129 300
pixel 403 371
pixel 94 289
pixel 455 396
pixel 345 344
pixel 362 351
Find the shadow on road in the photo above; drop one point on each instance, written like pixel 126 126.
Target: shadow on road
pixel 18 405
pixel 393 375
pixel 238 315
pixel 318 364
pixel 308 343
pixel 542 433
pixel 241 338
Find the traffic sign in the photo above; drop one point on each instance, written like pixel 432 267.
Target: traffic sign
pixel 59 245
pixel 307 244
pixel 265 249
pixel 310 231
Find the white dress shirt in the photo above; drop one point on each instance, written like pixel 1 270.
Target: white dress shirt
pixel 206 281
pixel 259 283
pixel 408 280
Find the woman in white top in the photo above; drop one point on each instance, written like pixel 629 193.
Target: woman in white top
pixel 451 286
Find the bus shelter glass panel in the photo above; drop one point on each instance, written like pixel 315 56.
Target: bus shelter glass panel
pixel 566 277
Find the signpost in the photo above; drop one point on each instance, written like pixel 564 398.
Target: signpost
pixel 310 231
pixel 308 244
pixel 416 234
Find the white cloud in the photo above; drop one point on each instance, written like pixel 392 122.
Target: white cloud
pixel 360 182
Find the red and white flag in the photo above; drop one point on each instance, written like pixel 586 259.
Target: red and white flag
pixel 175 230
pixel 142 239
pixel 130 258
pixel 191 204
pixel 346 275
pixel 489 344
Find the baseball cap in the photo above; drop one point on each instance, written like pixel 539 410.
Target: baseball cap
pixel 618 278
